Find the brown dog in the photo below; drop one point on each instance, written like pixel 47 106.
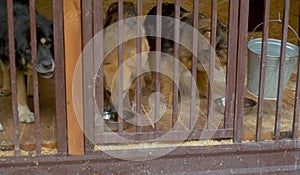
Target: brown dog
pixel 204 28
pixel 185 55
pixel 129 54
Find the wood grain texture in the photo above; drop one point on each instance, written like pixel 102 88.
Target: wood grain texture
pixel 73 47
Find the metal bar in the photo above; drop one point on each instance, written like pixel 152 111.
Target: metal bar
pixel 260 108
pixel 12 62
pixel 259 158
pixel 98 23
pixel 281 69
pixel 60 84
pixel 213 36
pixel 157 62
pixel 88 74
pixel 297 95
pixel 194 63
pixel 231 63
pixel 120 62
pixel 35 82
pixel 241 65
pixel 150 136
pixel 139 64
pixel 176 63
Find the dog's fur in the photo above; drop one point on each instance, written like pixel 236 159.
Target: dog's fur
pixel 44 64
pixel 110 64
pixel 185 55
pixel 204 28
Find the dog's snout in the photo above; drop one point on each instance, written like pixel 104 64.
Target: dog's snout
pixel 47 65
pixel 45 68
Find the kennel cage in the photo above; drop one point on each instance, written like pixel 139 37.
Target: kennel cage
pixel 79 21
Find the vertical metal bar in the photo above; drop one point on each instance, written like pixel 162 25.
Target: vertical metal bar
pixel 97 19
pixel 88 74
pixel 281 68
pixel 213 34
pixel 260 108
pixel 194 62
pixel 120 61
pixel 240 75
pixel 33 40
pixel 139 63
pixel 231 63
pixel 12 62
pixel 176 62
pixel 297 96
pixel 60 84
pixel 157 62
pixel 98 23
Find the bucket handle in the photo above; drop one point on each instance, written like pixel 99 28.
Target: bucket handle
pixel 275 20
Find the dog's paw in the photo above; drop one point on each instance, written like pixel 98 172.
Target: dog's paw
pixel 4 92
pixel 25 115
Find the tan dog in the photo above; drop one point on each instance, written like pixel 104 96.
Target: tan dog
pixel 204 28
pixel 129 54
pixel 185 55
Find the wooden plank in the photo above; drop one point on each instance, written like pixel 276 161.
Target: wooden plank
pixel 73 47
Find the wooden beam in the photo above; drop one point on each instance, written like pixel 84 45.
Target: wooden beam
pixel 73 48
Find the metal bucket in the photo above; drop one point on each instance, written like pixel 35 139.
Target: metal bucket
pixel 272 66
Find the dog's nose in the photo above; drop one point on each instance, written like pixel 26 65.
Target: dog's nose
pixel 47 65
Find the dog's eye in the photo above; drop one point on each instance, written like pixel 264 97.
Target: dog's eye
pixel 48 45
pixel 46 42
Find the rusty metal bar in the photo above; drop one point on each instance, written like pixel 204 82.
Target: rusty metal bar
pixel 12 62
pixel 157 62
pixel 297 95
pixel 260 108
pixel 120 62
pixel 35 82
pixel 231 63
pixel 259 158
pixel 281 69
pixel 88 74
pixel 241 65
pixel 176 63
pixel 213 37
pixel 139 64
pixel 194 63
pixel 60 84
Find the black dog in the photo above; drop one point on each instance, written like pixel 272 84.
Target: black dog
pixel 167 30
pixel 44 64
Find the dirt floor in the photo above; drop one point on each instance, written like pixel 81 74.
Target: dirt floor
pixel 47 92
pixel 27 131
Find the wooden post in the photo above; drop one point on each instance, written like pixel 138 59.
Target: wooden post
pixel 73 48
